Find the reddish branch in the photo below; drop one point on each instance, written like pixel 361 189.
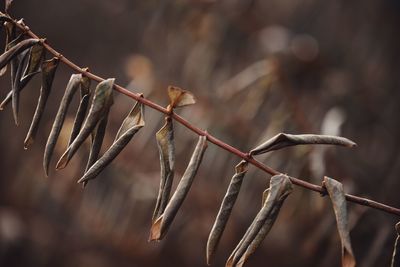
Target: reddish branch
pixel 320 189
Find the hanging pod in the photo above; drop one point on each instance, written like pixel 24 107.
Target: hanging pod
pixel 396 250
pixel 273 198
pixel 338 199
pixel 160 226
pixel 225 210
pixel 72 86
pixel 49 68
pixel 130 126
pixel 283 140
pixel 101 101
pixel 166 149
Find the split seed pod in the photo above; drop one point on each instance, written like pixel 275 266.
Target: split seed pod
pixel 72 86
pixel 130 126
pixel 166 149
pixel 396 251
pixel 280 188
pixel 338 199
pixel 225 209
pixel 82 109
pixel 283 140
pixel 101 101
pixel 49 68
pixel 161 225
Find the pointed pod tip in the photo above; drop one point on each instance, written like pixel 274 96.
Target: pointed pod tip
pixel 28 142
pixel 62 163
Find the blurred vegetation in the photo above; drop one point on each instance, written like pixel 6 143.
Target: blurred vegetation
pixel 257 68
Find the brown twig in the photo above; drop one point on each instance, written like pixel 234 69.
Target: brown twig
pixel 320 189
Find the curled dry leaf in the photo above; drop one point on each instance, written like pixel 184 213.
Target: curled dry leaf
pixel 101 101
pixel 49 68
pixel 283 140
pixel 97 141
pixel 160 227
pixel 225 209
pixel 82 109
pixel 6 57
pixel 166 149
pixel 72 86
pixel 130 126
pixel 179 97
pixel 338 199
pixel 280 188
pixel 36 55
pixel 396 250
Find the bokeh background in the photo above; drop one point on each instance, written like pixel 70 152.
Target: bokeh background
pixel 257 68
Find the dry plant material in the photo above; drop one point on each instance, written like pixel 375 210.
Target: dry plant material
pixel 130 126
pixel 82 109
pixel 15 50
pixel 166 149
pixel 72 86
pixel 338 199
pixel 179 97
pixel 8 5
pixel 101 101
pixel 49 68
pixel 225 210
pixel 280 188
pixel 283 140
pixel 4 18
pixel 396 250
pixel 160 227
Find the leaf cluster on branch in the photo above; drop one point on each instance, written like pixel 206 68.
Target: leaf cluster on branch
pixel 25 56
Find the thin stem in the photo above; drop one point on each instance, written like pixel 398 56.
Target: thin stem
pixel 212 139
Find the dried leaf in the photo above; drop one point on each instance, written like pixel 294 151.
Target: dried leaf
pixel 83 106
pixel 130 126
pixel 6 57
pixel 225 210
pixel 9 28
pixel 280 188
pixel 72 86
pixel 282 140
pixel 8 5
pixel 101 101
pixel 166 149
pixel 97 142
pixel 49 68
pixel 161 225
pixel 17 65
pixel 179 97
pixel 338 199
pixel 396 250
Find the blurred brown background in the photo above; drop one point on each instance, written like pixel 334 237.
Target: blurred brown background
pixel 257 68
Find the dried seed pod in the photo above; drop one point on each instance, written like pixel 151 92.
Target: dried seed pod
pixel 280 188
pixel 9 28
pixel 338 199
pixel 284 140
pixel 166 149
pixel 72 86
pixel 396 250
pixel 161 225
pixel 179 97
pixel 130 126
pixel 97 142
pixel 8 5
pixel 225 209
pixel 6 57
pixel 83 106
pixel 101 101
pixel 49 68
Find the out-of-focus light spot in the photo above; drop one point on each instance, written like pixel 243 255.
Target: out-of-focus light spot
pixel 304 47
pixel 275 39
